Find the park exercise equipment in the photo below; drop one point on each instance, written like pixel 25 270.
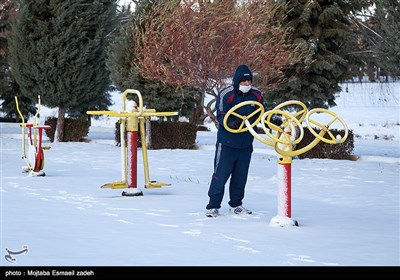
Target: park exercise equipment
pixel 284 139
pixel 130 118
pixel 34 159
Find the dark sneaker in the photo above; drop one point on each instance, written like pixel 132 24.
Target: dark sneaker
pixel 239 210
pixel 212 213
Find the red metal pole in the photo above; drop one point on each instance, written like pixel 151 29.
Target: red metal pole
pixel 29 126
pixel 284 192
pixel 39 153
pixel 130 156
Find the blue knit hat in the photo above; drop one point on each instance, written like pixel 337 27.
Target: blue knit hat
pixel 242 73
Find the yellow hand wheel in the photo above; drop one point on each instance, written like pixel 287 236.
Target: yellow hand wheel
pixel 293 105
pixel 286 133
pixel 325 128
pixel 243 127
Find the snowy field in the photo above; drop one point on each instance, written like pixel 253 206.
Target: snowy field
pixel 347 211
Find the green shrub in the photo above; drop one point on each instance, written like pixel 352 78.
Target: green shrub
pixel 167 135
pixel 75 130
pixel 8 119
pixel 173 135
pixel 324 150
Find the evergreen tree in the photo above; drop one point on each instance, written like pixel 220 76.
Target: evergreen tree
pixel 58 52
pixel 125 74
pixel 8 87
pixel 387 48
pixel 101 20
pixel 324 27
pixel 375 50
pixel 121 53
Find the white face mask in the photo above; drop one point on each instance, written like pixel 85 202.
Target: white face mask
pixel 244 89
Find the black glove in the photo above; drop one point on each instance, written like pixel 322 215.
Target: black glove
pixel 276 121
pixel 235 124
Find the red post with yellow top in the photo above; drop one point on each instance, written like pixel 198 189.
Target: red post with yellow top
pixel 284 139
pixel 132 120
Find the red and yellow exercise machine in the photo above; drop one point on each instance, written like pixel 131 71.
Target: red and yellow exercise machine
pixel 130 118
pixel 32 134
pixel 284 139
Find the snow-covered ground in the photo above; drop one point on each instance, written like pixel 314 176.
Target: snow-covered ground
pixel 348 211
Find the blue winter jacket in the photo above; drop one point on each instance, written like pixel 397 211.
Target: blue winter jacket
pixel 231 96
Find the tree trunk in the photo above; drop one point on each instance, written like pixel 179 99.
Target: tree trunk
pixel 197 113
pixel 211 112
pixel 60 124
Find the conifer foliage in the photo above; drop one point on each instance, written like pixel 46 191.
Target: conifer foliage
pixel 323 26
pixel 8 87
pixel 58 52
pixel 387 48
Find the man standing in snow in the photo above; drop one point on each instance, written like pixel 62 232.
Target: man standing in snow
pixel 233 150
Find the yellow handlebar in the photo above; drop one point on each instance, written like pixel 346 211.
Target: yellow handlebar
pixel 19 111
pixel 134 91
pixel 140 112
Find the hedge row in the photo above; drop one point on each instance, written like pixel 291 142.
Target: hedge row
pixel 167 135
pixel 75 130
pixel 324 150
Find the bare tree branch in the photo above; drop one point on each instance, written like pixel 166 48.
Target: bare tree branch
pixel 200 44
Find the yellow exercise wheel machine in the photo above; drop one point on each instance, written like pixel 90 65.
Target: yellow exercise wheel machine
pixel 284 139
